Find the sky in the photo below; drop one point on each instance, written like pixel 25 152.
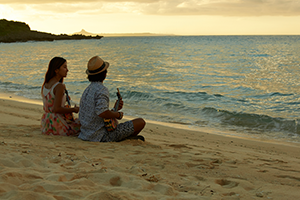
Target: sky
pixel 179 17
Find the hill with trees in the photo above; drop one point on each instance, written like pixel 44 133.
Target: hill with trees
pixel 13 31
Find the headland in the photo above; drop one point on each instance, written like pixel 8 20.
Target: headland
pixel 13 31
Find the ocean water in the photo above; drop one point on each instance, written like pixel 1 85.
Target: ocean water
pixel 229 84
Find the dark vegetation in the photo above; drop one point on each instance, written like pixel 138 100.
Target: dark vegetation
pixel 12 31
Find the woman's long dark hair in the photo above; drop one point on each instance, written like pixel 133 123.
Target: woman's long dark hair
pixel 54 64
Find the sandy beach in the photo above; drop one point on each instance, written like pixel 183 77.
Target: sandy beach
pixel 173 163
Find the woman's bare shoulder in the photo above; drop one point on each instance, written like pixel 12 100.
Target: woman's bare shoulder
pixel 60 87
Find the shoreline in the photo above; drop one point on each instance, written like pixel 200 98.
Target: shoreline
pixel 172 163
pixel 12 97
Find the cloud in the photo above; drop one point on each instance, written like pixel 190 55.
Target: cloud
pixel 167 7
pixel 226 7
pixel 72 1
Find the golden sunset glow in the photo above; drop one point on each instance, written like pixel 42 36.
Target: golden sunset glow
pixel 180 17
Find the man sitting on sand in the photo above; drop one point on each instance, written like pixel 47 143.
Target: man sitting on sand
pixel 94 108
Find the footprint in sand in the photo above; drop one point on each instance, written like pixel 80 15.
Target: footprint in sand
pixel 179 146
pixel 115 181
pixel 226 183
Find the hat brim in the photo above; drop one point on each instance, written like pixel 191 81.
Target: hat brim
pixel 98 72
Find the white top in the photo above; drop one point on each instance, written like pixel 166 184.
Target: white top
pixel 46 91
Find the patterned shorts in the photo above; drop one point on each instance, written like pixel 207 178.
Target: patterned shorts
pixel 122 131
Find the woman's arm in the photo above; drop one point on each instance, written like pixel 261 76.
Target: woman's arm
pixel 59 93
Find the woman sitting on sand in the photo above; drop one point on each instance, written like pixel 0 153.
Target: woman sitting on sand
pixel 54 120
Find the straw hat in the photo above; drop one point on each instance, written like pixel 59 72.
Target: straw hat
pixel 96 65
